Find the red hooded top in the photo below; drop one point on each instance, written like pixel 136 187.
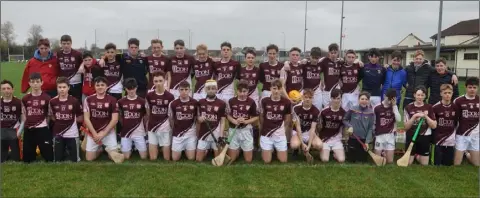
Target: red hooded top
pixel 47 67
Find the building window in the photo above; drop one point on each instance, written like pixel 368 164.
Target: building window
pixel 470 56
pixel 452 57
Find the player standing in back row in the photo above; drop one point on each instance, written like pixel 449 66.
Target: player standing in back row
pixel 157 62
pixel 202 71
pixel 69 61
pixel 251 75
pixel 226 71
pixel 373 75
pixel 311 76
pixel 467 138
pixel 269 71
pixel 291 73
pixel 180 68
pixel 331 73
pixel 350 78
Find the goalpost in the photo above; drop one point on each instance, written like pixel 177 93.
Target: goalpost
pixel 16 58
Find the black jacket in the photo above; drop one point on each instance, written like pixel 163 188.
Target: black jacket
pixel 416 78
pixel 435 81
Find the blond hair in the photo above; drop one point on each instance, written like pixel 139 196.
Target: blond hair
pixel 202 47
pixel 419 52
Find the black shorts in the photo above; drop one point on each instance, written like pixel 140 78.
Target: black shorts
pixel 421 146
pixel 443 155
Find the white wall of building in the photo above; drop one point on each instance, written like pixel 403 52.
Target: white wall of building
pixel 463 65
pixel 453 40
pixel 410 41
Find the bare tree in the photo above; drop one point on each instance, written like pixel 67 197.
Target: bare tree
pixel 55 44
pixel 8 32
pixel 34 34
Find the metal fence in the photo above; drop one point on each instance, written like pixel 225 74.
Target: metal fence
pixel 463 73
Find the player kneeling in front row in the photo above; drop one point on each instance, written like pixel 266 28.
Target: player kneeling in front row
pixel 305 117
pixel 467 138
pixel 275 117
pixel 242 113
pixel 331 124
pixel 182 114
pixel 159 129
pixel 132 114
pixel 66 111
pixel 100 117
pixel 211 119
pixel 386 118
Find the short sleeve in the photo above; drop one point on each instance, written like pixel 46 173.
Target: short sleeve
pixel 431 114
pixel 223 109
pixel 288 107
pixel 253 109
pixel 78 108
pixel 115 107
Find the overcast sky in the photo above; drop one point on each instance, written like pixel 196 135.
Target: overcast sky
pixel 366 24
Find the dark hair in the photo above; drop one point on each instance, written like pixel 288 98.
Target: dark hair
pixel 308 92
pixel 296 49
pixel 335 93
pixel 100 79
pixel 250 51
pixel 184 84
pixel 471 81
pixel 62 79
pixel 43 41
pixel 130 83
pixel 87 54
pixel 6 82
pixel 272 46
pixel 156 41
pixel 158 73
pixel 242 84
pixel 441 60
pixel 373 52
pixel 277 83
pixel 179 42
pixel 226 44
pixel 391 93
pixel 421 88
pixel 397 54
pixel 364 93
pixel 133 41
pixel 351 51
pixel 35 76
pixel 110 46
pixel 66 38
pixel 333 47
pixel 315 52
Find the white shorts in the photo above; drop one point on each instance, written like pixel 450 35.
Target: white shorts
pixel 266 93
pixel 206 145
pixel 225 96
pixel 243 139
pixel 349 100
pixel 318 100
pixel 267 143
pixel 385 142
pixel 463 143
pixel 375 100
pixel 110 142
pixel 180 144
pixel 139 142
pixel 199 96
pixel 305 136
pixel 326 98
pixel 333 145
pixel 160 138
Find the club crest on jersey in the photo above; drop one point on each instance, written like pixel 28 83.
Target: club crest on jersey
pixel 70 107
pixel 254 75
pixel 355 71
pixel 273 72
pixel 478 105
pixel 311 116
pixel 106 104
pixel 191 107
pixel 206 64
pixel 282 107
pixel 340 117
pixel 185 62
pixel 14 108
pixel 42 102
pixel 247 107
pixel 230 68
pixel 165 102
pixel 215 108
pixel 162 63
pixel 139 106
pixel 73 59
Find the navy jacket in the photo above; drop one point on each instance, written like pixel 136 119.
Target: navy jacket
pixel 373 76
pixel 134 68
pixel 434 82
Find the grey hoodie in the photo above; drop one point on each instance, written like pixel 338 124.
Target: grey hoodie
pixel 362 121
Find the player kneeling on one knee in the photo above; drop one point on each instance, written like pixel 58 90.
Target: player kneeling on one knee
pixel 158 125
pixel 182 114
pixel 241 112
pixel 211 121
pixel 100 117
pixel 331 124
pixel 305 117
pixel 275 119
pixel 386 117
pixel 132 110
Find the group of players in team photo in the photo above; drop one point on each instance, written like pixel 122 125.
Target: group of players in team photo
pixel 297 110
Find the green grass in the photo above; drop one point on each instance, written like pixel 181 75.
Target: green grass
pixel 136 178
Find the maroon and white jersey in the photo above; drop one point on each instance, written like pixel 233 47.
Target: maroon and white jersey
pixel 132 113
pixel 157 104
pixel 65 113
pixel 305 116
pixel 269 73
pixel 101 110
pixel 410 110
pixel 184 114
pixel 384 119
pixel 311 76
pixel 331 73
pixel 252 76
pixel 203 71
pixel 349 76
pixel 293 78
pixel 69 64
pixel 156 63
pixel 332 124
pixel 225 74
pixel 114 76
pixel 180 70
pixel 36 110
pixel 245 109
pixel 468 108
pixel 274 113
pixel 11 112
pixel 447 117
pixel 213 111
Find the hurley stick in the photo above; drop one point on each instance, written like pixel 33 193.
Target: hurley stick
pixel 379 160
pixel 403 161
pixel 219 160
